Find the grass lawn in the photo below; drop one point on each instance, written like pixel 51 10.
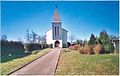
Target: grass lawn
pixel 15 56
pixel 14 64
pixel 73 63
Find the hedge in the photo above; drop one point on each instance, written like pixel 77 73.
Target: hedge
pixel 33 46
pixel 10 47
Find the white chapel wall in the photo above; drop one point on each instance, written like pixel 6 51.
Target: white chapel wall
pixel 49 37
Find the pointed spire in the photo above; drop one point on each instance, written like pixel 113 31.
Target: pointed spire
pixel 56 6
pixel 56 16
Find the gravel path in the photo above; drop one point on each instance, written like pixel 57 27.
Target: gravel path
pixel 45 65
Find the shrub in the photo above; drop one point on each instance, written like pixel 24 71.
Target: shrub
pixel 46 46
pixel 32 47
pixel 104 38
pixel 64 45
pixel 86 49
pixel 74 47
pixel 91 51
pixel 81 50
pixel 35 52
pixel 27 52
pixel 50 45
pixel 98 49
pixel 109 48
pixel 68 44
pixel 71 47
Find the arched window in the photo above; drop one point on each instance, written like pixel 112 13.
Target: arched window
pixel 58 30
pixel 55 30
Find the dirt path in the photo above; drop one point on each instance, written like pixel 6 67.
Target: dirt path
pixel 45 65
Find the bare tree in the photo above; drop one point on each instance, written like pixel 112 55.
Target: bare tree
pixel 79 42
pixel 33 37
pixel 39 39
pixel 85 42
pixel 43 40
pixel 72 37
pixel 4 37
pixel 27 37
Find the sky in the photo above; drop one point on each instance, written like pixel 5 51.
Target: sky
pixel 80 18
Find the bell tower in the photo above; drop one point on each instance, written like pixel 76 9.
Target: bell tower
pixel 56 26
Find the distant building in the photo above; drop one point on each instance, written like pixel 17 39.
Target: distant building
pixel 115 42
pixel 57 33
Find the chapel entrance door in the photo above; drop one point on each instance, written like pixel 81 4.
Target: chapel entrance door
pixel 57 43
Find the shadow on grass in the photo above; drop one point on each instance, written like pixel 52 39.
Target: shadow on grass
pixel 13 56
pixel 6 58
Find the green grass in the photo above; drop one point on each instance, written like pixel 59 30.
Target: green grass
pixel 14 64
pixel 73 63
pixel 13 56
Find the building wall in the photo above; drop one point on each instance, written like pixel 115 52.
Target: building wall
pixel 56 25
pixel 64 37
pixel 49 37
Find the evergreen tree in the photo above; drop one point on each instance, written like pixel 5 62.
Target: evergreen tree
pixel 104 38
pixel 92 40
pixel 98 41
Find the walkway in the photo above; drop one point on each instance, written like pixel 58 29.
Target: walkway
pixel 45 65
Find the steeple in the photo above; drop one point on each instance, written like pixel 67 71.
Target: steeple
pixel 56 16
pixel 56 6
